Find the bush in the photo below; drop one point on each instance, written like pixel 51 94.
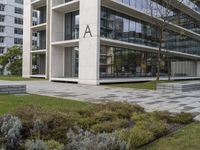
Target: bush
pixel 54 124
pixel 136 137
pixel 54 145
pixel 120 109
pixel 182 118
pixel 105 115
pixel 86 123
pixel 35 145
pixel 153 122
pixel 10 128
pixel 110 126
pixel 86 140
pixel 157 127
pixel 124 106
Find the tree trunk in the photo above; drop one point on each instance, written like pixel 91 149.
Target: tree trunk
pixel 159 54
pixel 169 68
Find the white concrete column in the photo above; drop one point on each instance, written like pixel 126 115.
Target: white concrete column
pixel 27 39
pixel 89 45
pixel 48 38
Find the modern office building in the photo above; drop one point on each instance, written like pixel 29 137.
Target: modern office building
pixel 11 25
pixel 102 41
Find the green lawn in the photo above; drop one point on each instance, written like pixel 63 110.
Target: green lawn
pixel 17 78
pixel 151 85
pixel 187 138
pixel 9 103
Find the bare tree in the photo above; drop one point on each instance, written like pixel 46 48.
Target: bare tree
pixel 161 16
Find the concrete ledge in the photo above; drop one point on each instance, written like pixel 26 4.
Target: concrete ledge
pixel 8 88
pixel 179 86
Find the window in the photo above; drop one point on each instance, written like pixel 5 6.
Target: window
pixel 34 23
pixel 2 7
pixel 35 14
pixel 18 10
pixel 34 34
pixel 2 18
pixel 72 25
pixel 1 39
pixel 18 31
pixel 2 28
pixel 19 1
pixel 34 43
pixel 18 41
pixel 18 21
pixel 1 50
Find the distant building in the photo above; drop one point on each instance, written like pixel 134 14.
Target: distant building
pixel 11 25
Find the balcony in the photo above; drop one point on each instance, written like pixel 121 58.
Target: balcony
pixel 39 27
pixel 66 7
pixel 38 3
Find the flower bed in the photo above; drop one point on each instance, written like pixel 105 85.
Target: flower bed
pixel 99 126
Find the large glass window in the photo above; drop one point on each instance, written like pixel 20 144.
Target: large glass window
pixel 72 25
pixel 38 64
pixel 118 62
pixel 40 38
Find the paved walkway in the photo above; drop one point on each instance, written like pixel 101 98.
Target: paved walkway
pixel 150 100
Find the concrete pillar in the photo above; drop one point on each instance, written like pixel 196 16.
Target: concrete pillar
pixel 27 39
pixel 89 45
pixel 48 39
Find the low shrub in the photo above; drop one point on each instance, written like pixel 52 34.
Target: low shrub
pixel 55 123
pixel 86 123
pixel 85 140
pixel 10 132
pixel 161 115
pixel 110 126
pixel 121 109
pixel 54 145
pixel 36 145
pixel 182 118
pixel 157 127
pixel 105 115
pixel 135 137
pixel 154 122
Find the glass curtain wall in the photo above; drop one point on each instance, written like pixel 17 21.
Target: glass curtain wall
pixel 118 26
pixel 174 15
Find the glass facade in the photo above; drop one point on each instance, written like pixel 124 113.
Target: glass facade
pixel 118 62
pixel 161 10
pixel 118 26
